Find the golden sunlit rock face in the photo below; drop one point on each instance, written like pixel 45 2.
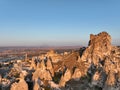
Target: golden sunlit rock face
pixel 96 67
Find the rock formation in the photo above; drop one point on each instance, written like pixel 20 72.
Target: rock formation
pixel 96 67
pixel 42 73
pixel 99 47
pixel 50 67
pixel 54 56
pixel 105 58
pixel 66 77
pixel 98 64
pixel 77 74
pixel 21 85
pixel 33 64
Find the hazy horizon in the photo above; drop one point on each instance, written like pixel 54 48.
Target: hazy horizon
pixel 57 22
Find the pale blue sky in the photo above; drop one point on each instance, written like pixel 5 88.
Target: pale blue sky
pixel 57 22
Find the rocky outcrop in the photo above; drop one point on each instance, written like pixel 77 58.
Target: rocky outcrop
pixel 66 77
pixel 42 73
pixel 15 71
pixel 99 47
pixel 99 64
pixel 77 74
pixel 33 64
pixel 21 85
pixel 96 67
pixel 54 56
pixel 50 67
pixel 105 59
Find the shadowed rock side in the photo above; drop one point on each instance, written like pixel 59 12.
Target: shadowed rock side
pixel 96 67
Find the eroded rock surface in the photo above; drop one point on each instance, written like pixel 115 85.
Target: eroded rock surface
pixel 21 85
pixel 96 67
